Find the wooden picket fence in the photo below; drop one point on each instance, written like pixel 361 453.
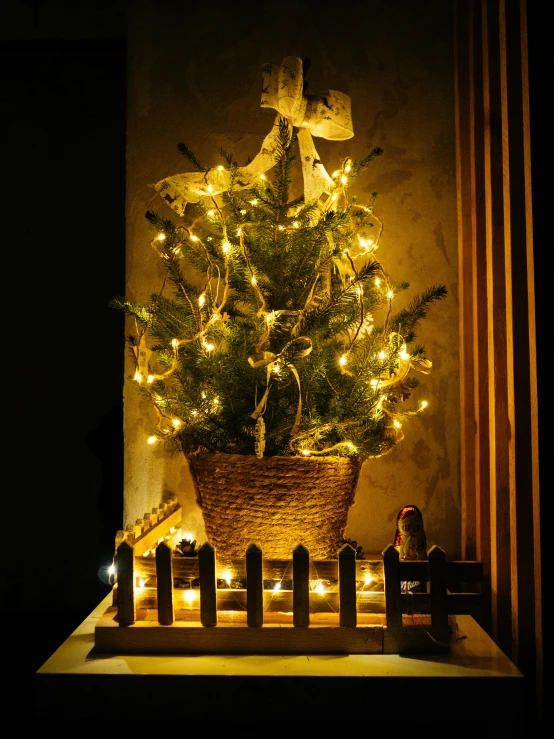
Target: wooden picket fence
pixel 165 603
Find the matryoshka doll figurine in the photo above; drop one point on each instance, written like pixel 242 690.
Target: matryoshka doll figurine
pixel 410 541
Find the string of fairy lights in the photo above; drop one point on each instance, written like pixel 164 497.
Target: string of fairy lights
pixel 210 305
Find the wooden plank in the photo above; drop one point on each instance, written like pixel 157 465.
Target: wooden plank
pixel 369 573
pixel 499 320
pixel 392 587
pixel 301 586
pixel 347 585
pixel 281 601
pixel 527 514
pixel 124 566
pixel 150 637
pixel 270 619
pixel 254 584
pixel 473 283
pixel 525 535
pixel 463 572
pixel 208 600
pixel 413 570
pixel 164 577
pixel 463 126
pixel 437 583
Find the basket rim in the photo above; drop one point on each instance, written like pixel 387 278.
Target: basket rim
pixel 296 457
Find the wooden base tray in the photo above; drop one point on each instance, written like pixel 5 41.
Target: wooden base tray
pixel 278 635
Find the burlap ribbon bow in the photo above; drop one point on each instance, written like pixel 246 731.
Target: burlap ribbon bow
pixel 327 115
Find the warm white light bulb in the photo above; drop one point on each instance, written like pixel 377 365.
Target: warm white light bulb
pixel 382 354
pixel 262 177
pixel 161 237
pixel 424 404
pixel 397 424
pixel 210 188
pixel 175 343
pixel 390 294
pixel 226 246
pixel 152 440
pixel 253 280
pixel 193 237
pixel 220 168
pixel 344 179
pixel 137 376
pixel 306 452
pixel 176 422
pixel 296 224
pixel 254 202
pixel 150 379
pixel 211 213
pixel 226 575
pixel 342 360
pixel 201 300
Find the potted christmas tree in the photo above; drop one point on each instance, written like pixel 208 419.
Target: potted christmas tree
pixel 273 356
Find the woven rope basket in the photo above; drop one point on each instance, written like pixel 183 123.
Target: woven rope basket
pixel 274 502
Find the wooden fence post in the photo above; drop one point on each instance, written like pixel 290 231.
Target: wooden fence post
pixel 393 606
pixel 208 585
pixel 125 568
pixel 164 577
pixel 301 586
pixel 347 586
pixel 437 583
pixel 254 586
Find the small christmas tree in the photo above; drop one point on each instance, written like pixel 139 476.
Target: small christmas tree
pixel 275 332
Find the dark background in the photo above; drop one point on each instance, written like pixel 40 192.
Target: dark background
pixel 64 69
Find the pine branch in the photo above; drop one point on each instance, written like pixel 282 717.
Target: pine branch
pixel 191 156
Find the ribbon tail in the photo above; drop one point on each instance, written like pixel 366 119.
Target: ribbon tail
pixel 191 187
pixel 260 408
pixel 298 418
pixel 317 181
pixel 265 158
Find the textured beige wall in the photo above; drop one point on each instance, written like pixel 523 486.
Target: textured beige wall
pixel 195 76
